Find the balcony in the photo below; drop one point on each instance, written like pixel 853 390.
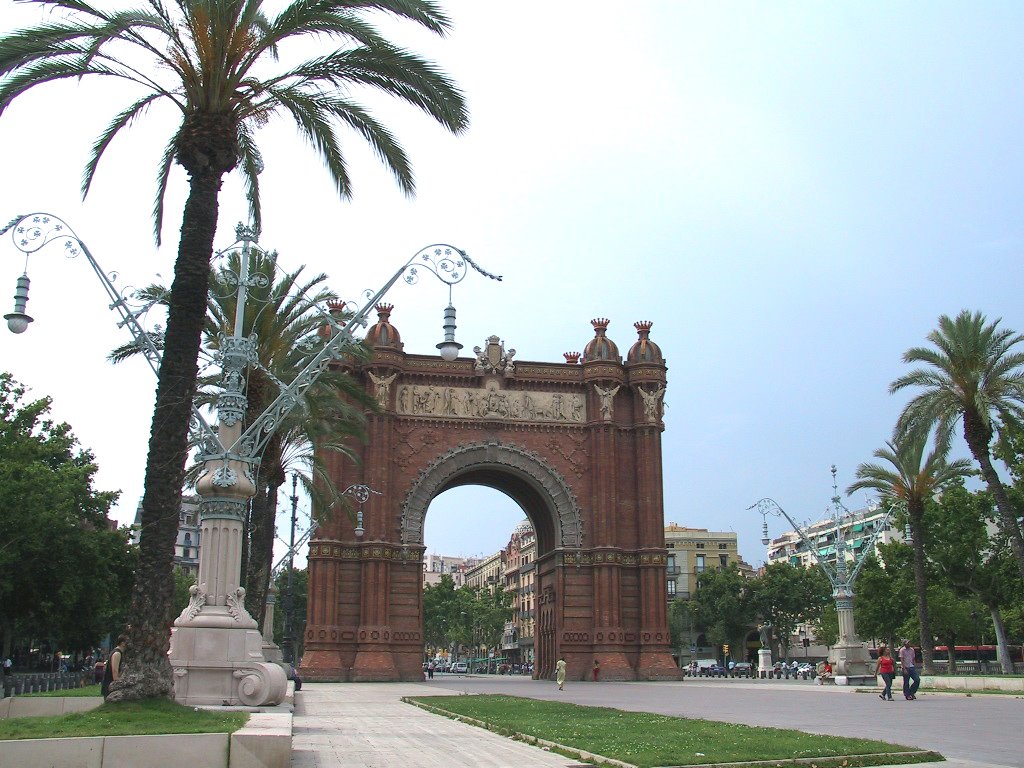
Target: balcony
pixel 673 570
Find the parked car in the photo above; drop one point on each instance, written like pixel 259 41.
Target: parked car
pixel 460 668
pixel 805 668
pixel 714 670
pixel 743 668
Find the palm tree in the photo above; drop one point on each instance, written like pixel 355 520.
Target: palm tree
pixel 907 479
pixel 284 313
pixel 973 374
pixel 205 57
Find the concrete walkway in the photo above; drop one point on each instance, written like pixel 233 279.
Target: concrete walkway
pixel 367 724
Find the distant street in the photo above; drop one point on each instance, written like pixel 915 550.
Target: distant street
pixel 987 729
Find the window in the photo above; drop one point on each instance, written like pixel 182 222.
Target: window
pixel 723 546
pixel 700 563
pixel 672 588
pixel 723 560
pixel 700 545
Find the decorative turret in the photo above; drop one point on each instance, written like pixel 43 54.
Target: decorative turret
pixel 383 333
pixel 644 350
pixel 601 347
pixel 572 358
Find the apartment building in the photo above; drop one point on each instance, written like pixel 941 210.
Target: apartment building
pixel 186 543
pixel 520 582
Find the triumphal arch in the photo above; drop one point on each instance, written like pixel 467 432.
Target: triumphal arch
pixel 577 444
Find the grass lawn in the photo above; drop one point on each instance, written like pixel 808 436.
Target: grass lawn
pixel 129 718
pixel 646 740
pixel 85 690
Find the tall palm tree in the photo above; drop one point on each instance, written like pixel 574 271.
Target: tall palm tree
pixel 973 374
pixel 206 58
pixel 914 479
pixel 284 313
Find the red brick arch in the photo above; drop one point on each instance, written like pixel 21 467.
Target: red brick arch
pixel 577 445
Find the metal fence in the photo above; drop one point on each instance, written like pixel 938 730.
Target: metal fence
pixel 40 682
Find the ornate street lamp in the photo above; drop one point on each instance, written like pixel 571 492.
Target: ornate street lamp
pixel 216 648
pixel 850 656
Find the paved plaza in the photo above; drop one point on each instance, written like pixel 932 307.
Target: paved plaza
pixel 365 725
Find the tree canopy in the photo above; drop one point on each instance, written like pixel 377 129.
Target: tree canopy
pixel 65 574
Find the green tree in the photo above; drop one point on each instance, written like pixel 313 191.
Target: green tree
pixel 912 478
pixel 183 581
pixel 785 595
pixel 885 594
pixel 826 626
pixel 973 375
pixel 722 607
pixel 300 599
pixel 974 565
pixel 442 608
pixel 207 58
pixel 64 574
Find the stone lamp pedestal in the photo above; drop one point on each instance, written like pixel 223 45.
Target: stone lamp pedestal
pixel 216 648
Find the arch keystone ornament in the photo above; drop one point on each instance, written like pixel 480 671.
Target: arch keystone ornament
pixel 576 444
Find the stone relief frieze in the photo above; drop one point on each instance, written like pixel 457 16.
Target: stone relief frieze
pixel 490 402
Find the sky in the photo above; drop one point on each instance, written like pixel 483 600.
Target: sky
pixel 792 192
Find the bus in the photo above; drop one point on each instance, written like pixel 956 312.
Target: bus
pixel 967 654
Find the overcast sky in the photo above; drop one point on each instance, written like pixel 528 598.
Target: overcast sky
pixel 792 193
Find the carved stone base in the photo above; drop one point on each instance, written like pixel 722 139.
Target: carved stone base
pixel 852 661
pixel 223 666
pixel 658 665
pixel 764 660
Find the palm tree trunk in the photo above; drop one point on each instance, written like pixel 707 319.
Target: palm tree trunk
pixel 915 510
pixel 978 441
pixel 261 553
pixel 147 671
pixel 1002 647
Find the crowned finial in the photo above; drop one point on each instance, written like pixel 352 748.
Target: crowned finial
pixel 600 325
pixel 336 306
pixel 384 310
pixel 572 358
pixel 643 328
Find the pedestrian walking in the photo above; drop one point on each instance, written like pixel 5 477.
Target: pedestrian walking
pixel 597 670
pixel 886 667
pixel 560 673
pixel 911 677
pixel 430 670
pixel 8 667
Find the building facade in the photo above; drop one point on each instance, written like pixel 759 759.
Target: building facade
pixel 857 529
pixel 186 543
pixel 521 583
pixel 691 552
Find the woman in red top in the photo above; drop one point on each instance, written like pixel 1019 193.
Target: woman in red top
pixel 886 667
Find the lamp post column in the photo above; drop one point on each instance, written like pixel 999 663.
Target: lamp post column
pixel 216 647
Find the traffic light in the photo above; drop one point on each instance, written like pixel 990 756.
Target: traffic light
pixel 725 649
pixel 807 642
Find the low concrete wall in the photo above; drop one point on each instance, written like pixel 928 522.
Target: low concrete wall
pixel 264 742
pixel 973 683
pixel 46 706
